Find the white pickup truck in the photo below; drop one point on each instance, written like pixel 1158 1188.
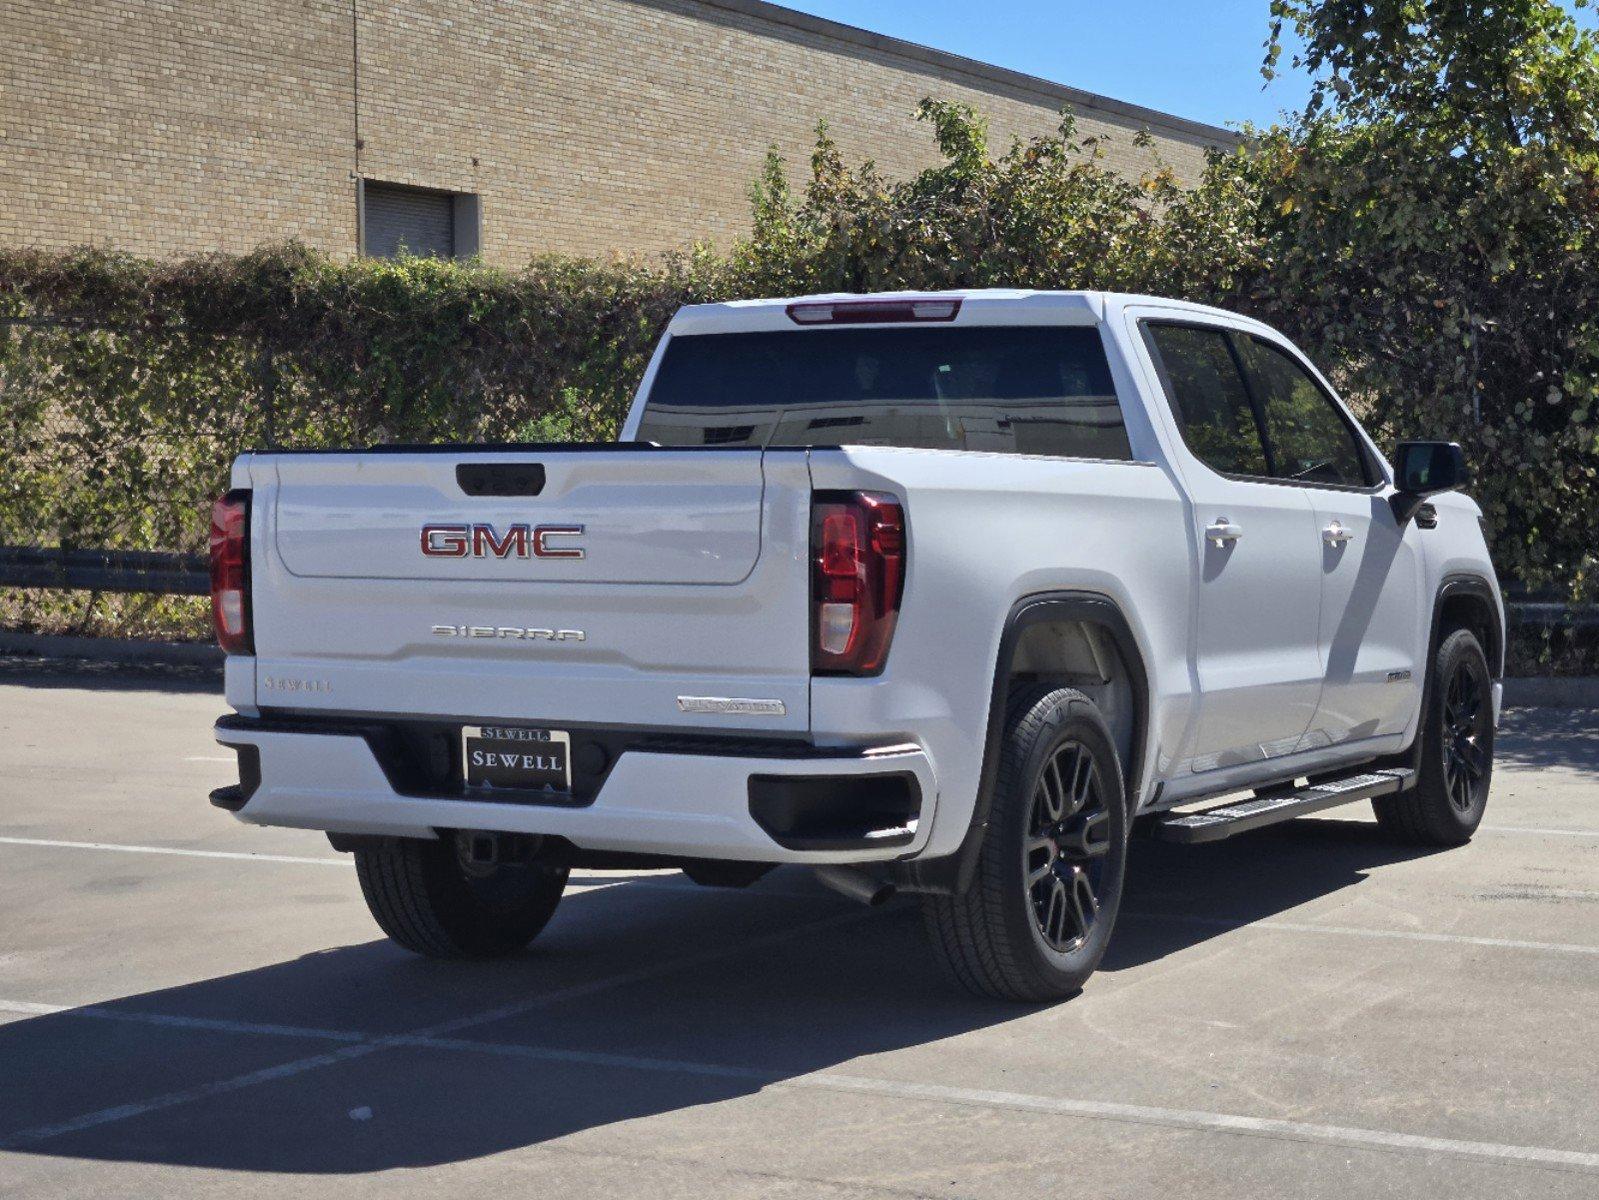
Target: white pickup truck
pixel 932 593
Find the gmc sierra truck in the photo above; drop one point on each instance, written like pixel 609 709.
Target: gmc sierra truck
pixel 935 594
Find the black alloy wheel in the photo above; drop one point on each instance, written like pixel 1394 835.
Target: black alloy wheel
pixel 1450 795
pixel 1037 915
pixel 1068 840
pixel 1467 721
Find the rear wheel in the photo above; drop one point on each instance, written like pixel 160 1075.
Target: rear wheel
pixel 1037 917
pixel 431 898
pixel 1451 793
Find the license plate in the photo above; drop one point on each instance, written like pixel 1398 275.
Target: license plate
pixel 515 757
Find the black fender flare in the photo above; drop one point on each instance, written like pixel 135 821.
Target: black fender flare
pixel 952 874
pixel 1464 584
pixel 1458 584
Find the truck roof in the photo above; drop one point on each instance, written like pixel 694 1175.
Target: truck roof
pixel 979 306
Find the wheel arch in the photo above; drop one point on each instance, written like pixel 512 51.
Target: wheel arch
pixel 1462 601
pixel 1470 602
pixel 1026 643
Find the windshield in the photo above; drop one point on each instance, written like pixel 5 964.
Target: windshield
pixel 1014 389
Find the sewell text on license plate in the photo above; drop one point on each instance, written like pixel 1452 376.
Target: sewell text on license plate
pixel 516 757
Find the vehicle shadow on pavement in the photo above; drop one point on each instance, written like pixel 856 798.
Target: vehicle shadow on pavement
pixel 1558 737
pixel 1177 896
pixel 626 1034
pixel 602 1022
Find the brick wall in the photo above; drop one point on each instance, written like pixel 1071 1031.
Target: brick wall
pixel 171 127
pixel 585 125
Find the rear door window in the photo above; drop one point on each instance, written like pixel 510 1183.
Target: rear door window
pixel 1042 390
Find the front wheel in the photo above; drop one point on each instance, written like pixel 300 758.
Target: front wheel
pixel 429 897
pixel 1038 915
pixel 1457 752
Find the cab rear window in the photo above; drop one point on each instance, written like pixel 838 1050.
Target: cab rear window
pixel 1013 389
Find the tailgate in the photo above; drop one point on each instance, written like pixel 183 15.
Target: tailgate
pixel 608 585
pixel 647 516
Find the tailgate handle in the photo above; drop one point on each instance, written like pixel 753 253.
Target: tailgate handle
pixel 500 479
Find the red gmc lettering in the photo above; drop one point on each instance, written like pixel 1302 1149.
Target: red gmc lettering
pixel 444 541
pixel 543 549
pixel 484 541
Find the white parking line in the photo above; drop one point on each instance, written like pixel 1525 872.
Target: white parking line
pixel 589 881
pixel 1144 1114
pixel 1537 831
pixel 178 851
pixel 579 990
pixel 123 1112
pixel 433 1039
pixel 583 882
pixel 96 1012
pixel 1218 1122
pixel 592 883
pixel 1404 935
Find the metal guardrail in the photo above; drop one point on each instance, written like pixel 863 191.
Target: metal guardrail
pixel 165 573
pixel 1549 614
pixel 153 571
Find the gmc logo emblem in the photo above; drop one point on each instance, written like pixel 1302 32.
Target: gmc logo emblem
pixel 484 541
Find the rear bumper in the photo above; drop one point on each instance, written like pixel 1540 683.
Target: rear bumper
pixel 700 804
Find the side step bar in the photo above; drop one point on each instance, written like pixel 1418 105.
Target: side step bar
pixel 1213 824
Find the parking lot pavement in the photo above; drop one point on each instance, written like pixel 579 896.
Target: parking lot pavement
pixel 189 1005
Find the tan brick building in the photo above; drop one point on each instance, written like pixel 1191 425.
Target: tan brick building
pixel 508 126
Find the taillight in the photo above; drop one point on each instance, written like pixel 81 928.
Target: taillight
pixel 858 575
pixel 230 571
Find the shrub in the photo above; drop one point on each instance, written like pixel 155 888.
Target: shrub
pixel 1429 230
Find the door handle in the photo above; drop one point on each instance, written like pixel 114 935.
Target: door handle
pixel 1223 531
pixel 1336 535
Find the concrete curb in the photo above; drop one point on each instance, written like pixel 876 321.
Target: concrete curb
pixel 112 650
pixel 1577 691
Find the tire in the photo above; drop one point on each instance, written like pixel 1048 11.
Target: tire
pixel 1025 929
pixel 433 902
pixel 1446 805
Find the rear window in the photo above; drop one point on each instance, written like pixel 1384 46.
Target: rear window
pixel 1017 390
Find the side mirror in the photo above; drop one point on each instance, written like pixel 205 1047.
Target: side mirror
pixel 1423 469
